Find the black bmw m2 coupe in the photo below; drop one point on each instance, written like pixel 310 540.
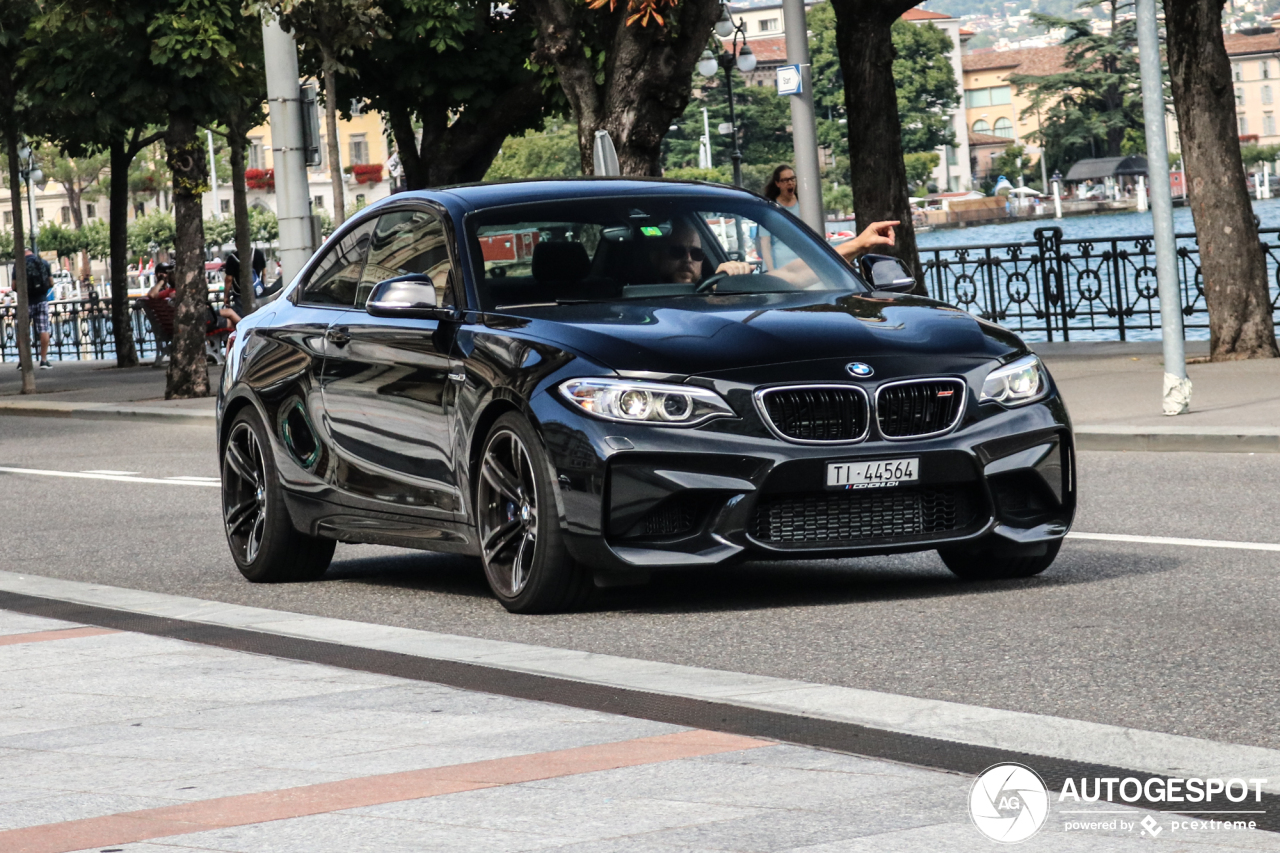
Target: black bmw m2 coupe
pixel 581 382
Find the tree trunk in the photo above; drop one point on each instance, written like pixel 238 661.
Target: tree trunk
pixel 19 262
pixel 463 151
pixel 647 75
pixel 1232 264
pixel 335 150
pixel 237 143
pixel 118 237
pixel 877 172
pixel 188 376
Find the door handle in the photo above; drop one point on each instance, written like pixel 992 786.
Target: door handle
pixel 337 336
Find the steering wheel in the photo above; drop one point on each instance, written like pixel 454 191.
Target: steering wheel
pixel 711 282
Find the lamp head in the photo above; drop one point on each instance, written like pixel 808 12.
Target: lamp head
pixel 724 26
pixel 707 64
pixel 38 178
pixel 746 59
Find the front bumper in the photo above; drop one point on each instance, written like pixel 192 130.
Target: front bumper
pixel 635 498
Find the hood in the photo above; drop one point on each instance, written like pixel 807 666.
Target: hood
pixel 705 335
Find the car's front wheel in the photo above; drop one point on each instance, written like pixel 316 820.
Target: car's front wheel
pixel 521 544
pixel 264 543
pixel 998 560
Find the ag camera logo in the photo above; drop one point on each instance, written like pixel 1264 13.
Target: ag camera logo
pixel 1009 803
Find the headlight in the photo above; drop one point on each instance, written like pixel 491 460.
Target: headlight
pixel 636 401
pixel 1018 382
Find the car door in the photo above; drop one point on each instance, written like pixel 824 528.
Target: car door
pixel 389 380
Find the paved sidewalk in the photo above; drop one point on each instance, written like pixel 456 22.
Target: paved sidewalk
pixel 127 742
pixel 1113 391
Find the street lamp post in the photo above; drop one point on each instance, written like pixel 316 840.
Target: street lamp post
pixel 744 59
pixel 29 173
pixel 1057 194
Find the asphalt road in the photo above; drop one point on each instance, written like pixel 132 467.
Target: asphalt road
pixel 1151 636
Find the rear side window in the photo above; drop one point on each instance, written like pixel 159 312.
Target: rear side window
pixel 409 241
pixel 336 278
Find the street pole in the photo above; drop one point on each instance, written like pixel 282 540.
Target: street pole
pixel 1177 387
pixel 733 122
pixel 293 201
pixel 213 177
pixel 804 130
pixel 31 217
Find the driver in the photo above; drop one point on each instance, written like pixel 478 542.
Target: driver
pixel 678 258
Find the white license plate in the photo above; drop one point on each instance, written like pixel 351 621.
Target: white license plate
pixel 880 474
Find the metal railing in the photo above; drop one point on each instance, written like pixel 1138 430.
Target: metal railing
pixel 80 329
pixel 1083 289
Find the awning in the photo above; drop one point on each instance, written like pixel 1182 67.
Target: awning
pixel 1107 167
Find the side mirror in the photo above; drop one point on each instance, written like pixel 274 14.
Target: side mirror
pixel 887 273
pixel 410 296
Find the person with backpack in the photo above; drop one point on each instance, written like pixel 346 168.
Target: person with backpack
pixel 39 283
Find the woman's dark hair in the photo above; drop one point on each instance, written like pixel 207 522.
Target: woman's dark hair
pixel 771 190
pixel 259 261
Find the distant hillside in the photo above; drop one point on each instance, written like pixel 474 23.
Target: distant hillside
pixel 960 8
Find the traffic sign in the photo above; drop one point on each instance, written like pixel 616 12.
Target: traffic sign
pixel 789 80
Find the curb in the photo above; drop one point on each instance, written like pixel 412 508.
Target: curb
pixel 1174 439
pixel 104 411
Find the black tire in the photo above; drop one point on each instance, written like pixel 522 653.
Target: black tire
pixel 992 561
pixel 522 546
pixel 263 541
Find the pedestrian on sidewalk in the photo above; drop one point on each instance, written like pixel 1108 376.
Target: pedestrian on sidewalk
pixel 39 283
pixel 780 188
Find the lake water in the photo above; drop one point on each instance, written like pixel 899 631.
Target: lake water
pixel 1079 227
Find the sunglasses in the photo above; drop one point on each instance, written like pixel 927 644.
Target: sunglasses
pixel 679 253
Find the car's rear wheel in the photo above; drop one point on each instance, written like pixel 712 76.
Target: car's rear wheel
pixel 264 543
pixel 998 560
pixel 521 544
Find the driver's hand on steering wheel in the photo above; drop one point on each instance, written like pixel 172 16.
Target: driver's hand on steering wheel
pixel 735 268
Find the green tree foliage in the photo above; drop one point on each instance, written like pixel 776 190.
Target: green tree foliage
pixel 762 115
pixel 538 154
pixel 1006 164
pixel 454 82
pixel 151 233
pixel 219 232
pixel 920 166
pixel 66 242
pixel 721 175
pixel 1087 110
pixel 1253 155
pixel 96 237
pixel 922 72
pixel 263 226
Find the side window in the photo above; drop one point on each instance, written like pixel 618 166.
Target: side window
pixel 336 277
pixel 409 241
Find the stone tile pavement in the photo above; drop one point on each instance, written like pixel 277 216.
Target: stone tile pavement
pixel 113 741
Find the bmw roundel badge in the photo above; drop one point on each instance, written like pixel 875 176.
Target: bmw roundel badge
pixel 859 369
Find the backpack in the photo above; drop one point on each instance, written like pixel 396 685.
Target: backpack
pixel 38 284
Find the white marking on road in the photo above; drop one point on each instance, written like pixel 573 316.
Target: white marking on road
pixel 85 475
pixel 1169 540
pixel 195 479
pixel 109 471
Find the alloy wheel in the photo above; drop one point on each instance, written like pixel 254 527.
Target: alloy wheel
pixel 508 504
pixel 244 493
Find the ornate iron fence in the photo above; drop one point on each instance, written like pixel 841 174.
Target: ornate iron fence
pixel 1086 289
pixel 80 329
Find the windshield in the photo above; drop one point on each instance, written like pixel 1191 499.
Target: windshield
pixel 604 250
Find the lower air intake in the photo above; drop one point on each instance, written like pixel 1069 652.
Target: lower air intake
pixel 853 518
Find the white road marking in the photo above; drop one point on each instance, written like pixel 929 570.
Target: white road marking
pixel 195 479
pixel 84 475
pixel 109 471
pixel 1169 540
